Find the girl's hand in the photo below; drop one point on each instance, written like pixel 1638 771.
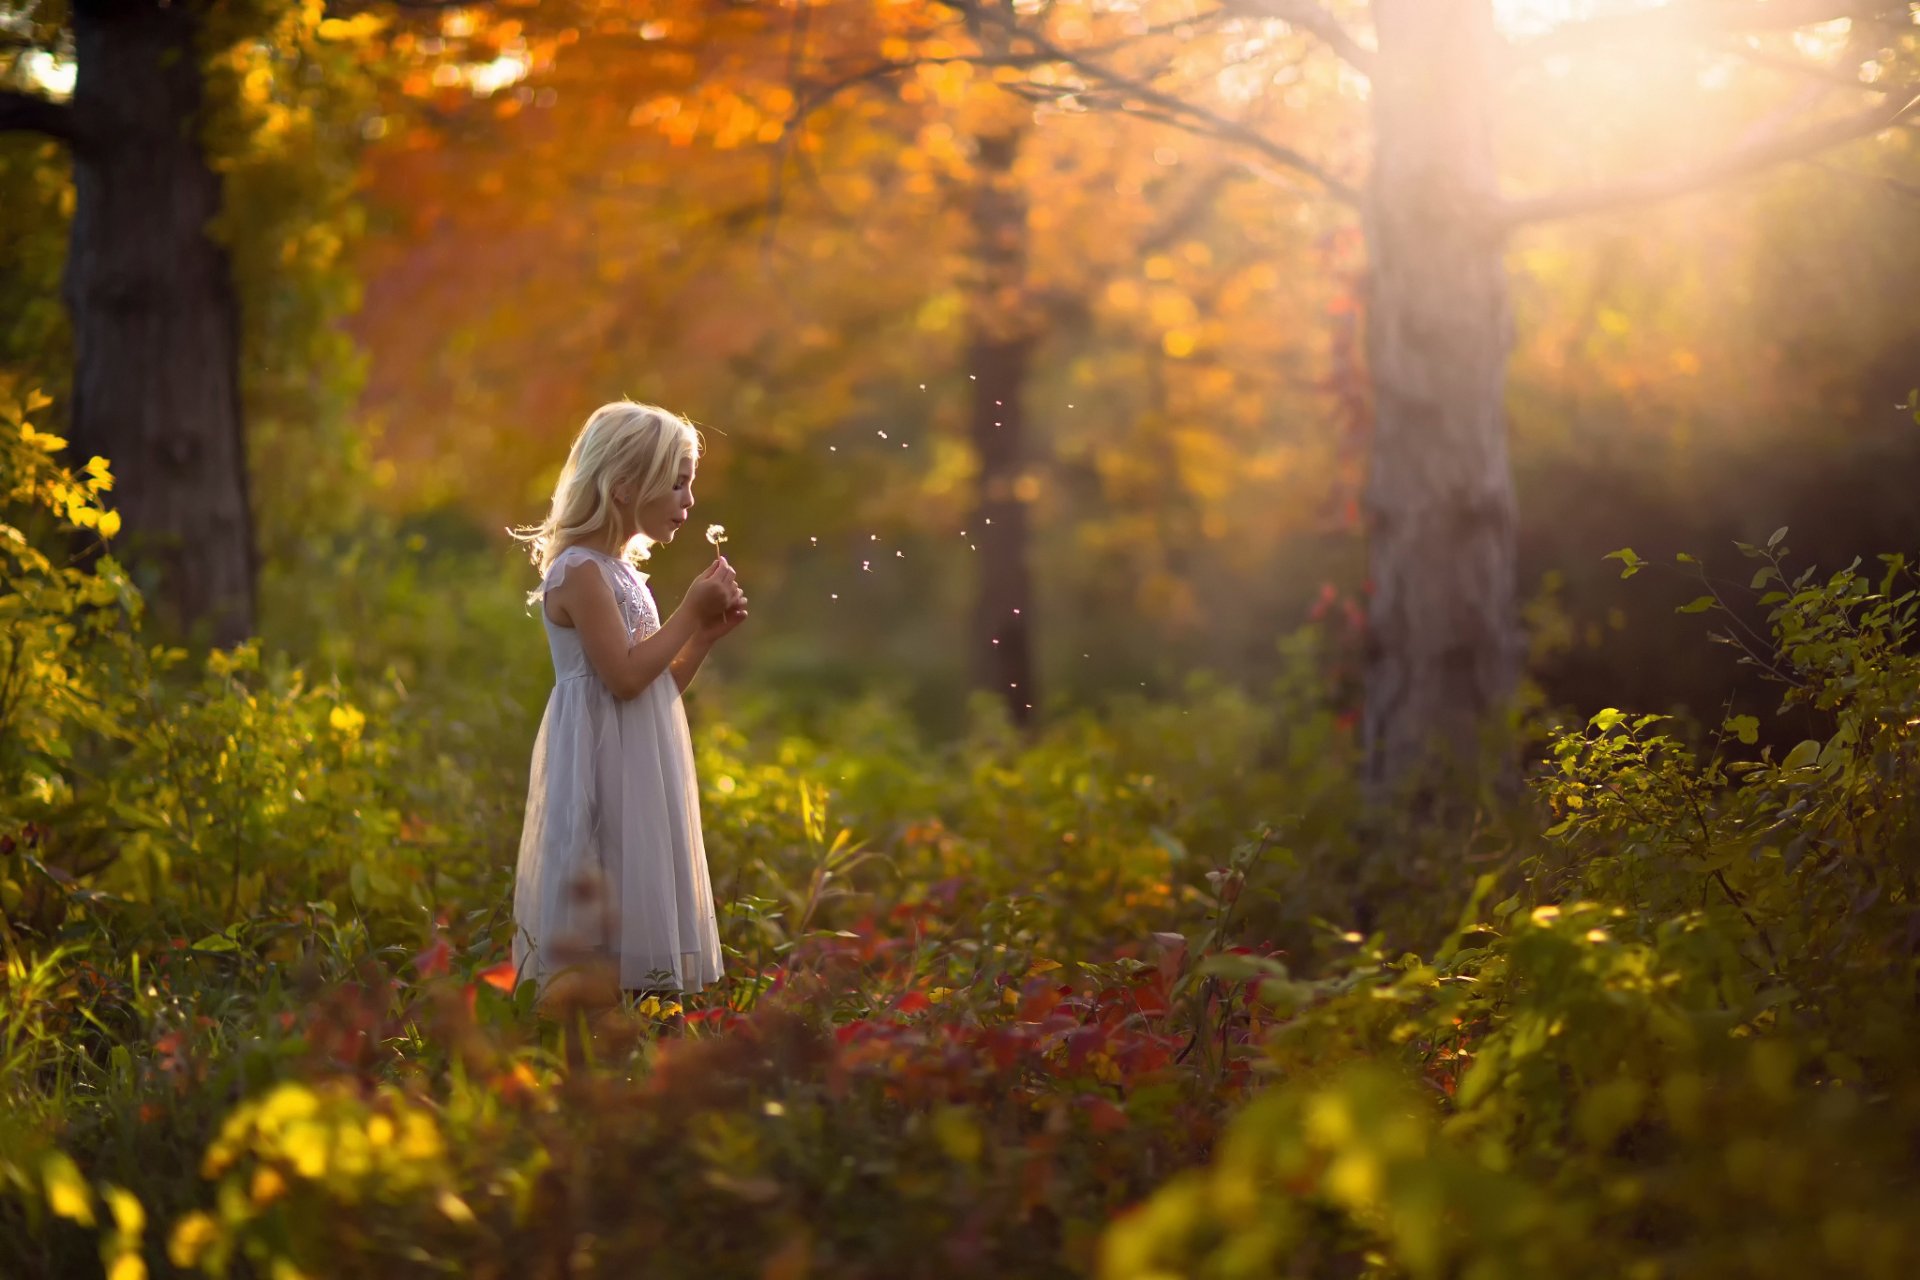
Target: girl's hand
pixel 713 593
pixel 735 615
pixel 735 612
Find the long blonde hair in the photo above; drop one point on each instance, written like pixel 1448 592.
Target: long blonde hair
pixel 623 443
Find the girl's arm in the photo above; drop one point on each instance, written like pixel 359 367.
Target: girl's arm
pixel 626 666
pixel 686 663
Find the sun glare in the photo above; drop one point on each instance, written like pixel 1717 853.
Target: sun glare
pixel 1531 17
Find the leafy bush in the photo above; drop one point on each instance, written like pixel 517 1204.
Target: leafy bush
pixel 1686 1046
pixel 1092 1001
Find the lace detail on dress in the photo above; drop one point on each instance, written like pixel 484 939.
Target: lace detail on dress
pixel 629 585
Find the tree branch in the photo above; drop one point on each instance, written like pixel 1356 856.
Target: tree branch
pixel 1693 19
pixel 32 113
pixel 1309 16
pixel 1187 114
pixel 1802 67
pixel 1736 163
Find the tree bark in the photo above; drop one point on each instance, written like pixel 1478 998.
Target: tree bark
pixel 155 316
pixel 998 349
pixel 1443 645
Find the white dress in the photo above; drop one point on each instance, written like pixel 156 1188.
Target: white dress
pixel 612 869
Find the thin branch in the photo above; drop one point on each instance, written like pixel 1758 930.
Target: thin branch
pixel 1736 163
pixel 1812 70
pixel 1189 115
pixel 1909 190
pixel 32 113
pixel 1309 16
pixel 1692 19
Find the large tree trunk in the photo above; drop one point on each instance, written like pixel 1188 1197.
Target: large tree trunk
pixel 155 318
pixel 1443 646
pixel 997 358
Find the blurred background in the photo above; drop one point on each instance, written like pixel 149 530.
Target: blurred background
pixel 456 231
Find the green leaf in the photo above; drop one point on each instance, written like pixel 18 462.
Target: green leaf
pixel 1802 756
pixel 1627 557
pixel 1778 534
pixel 1607 719
pixel 1699 604
pixel 1745 728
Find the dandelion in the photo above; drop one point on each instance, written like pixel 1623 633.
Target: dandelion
pixel 716 534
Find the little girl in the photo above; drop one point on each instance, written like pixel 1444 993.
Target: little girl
pixel 612 874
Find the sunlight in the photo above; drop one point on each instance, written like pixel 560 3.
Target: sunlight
pixel 1532 17
pixel 51 73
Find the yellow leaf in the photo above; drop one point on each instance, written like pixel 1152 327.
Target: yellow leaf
pixel 193 1235
pixel 306 1145
pixel 128 1216
pixel 67 1192
pixel 958 1135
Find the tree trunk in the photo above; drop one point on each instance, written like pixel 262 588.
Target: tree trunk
pixel 155 317
pixel 997 358
pixel 1443 644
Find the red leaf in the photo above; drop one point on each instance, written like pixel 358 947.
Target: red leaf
pixel 435 960
pixel 913 1002
pixel 501 977
pixel 1103 1115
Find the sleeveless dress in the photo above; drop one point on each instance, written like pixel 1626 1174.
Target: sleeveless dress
pixel 612 869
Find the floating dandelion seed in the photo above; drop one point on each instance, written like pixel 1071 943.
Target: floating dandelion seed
pixel 1016 612
pixel 873 537
pixel 899 555
pixel 833 448
pixel 716 534
pixel 971 378
pixel 996 639
pixel 814 541
pixel 923 386
pixel 883 435
pixel 836 596
pixel 866 566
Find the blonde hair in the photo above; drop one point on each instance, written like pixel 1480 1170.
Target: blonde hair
pixel 623 443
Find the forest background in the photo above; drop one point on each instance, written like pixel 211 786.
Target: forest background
pixel 1037 351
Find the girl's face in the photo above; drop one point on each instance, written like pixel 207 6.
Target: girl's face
pixel 661 518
